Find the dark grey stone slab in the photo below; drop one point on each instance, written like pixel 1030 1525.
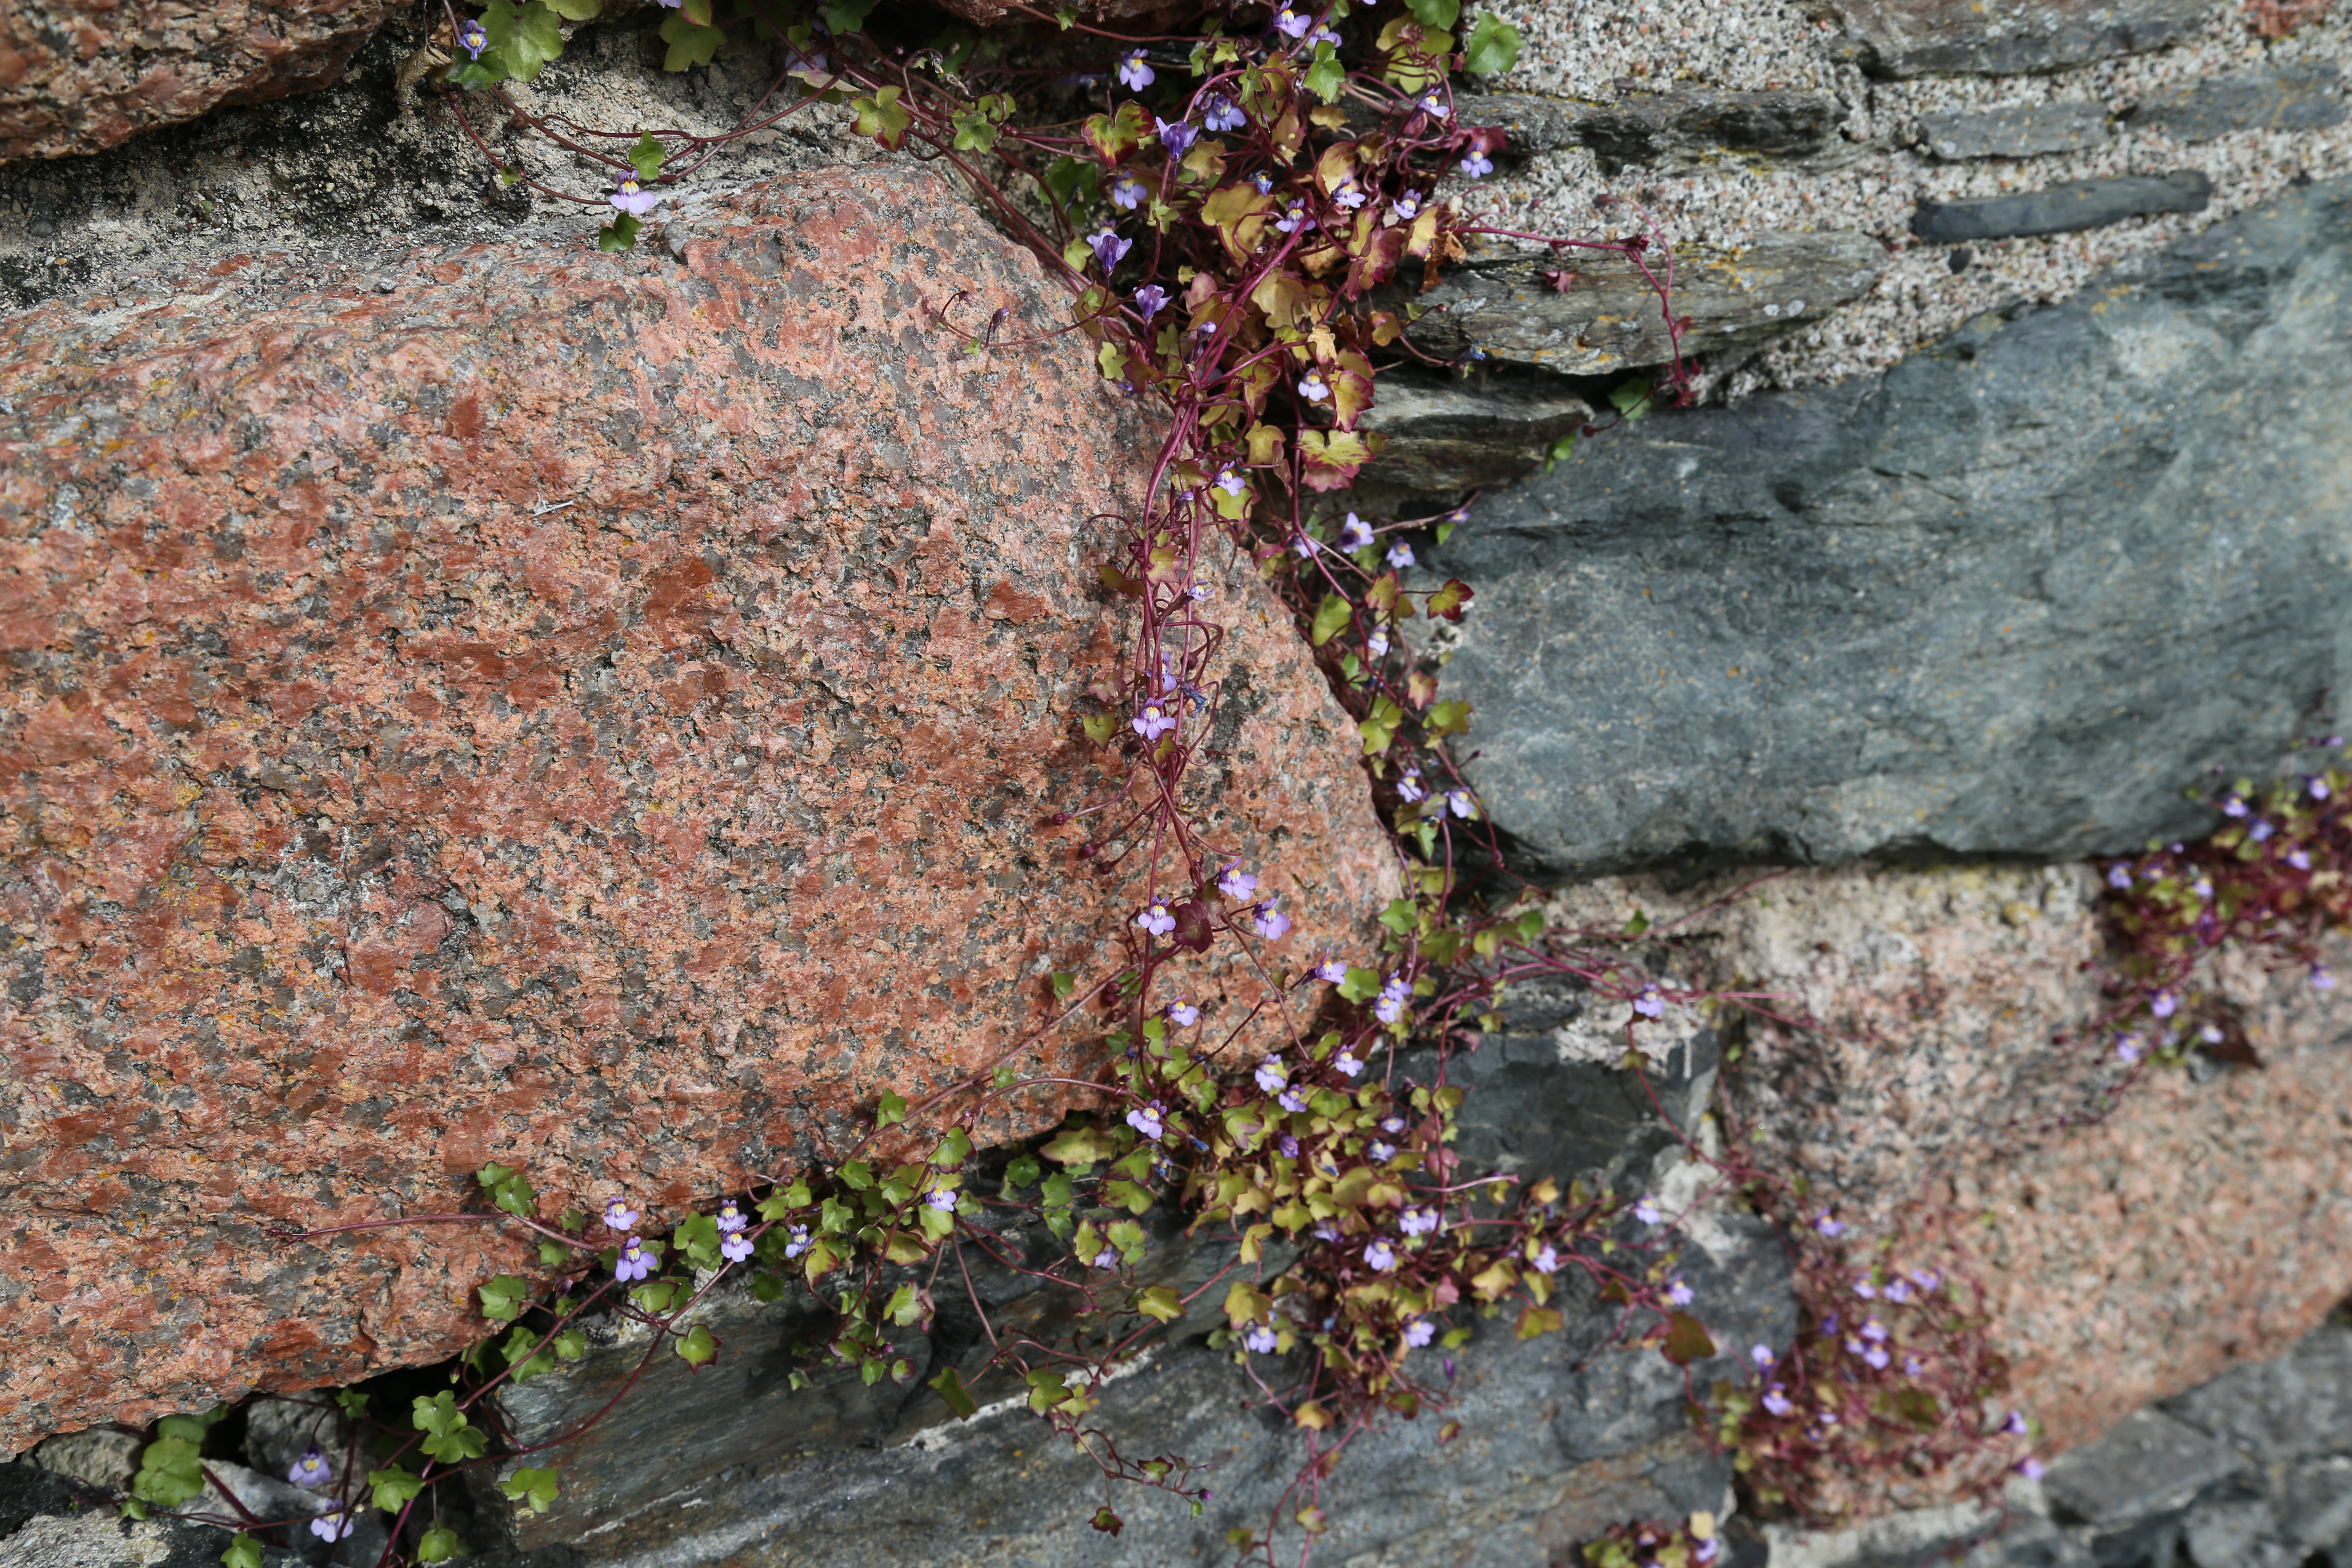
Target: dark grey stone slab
pixel 1609 319
pixel 2149 1464
pixel 1683 125
pixel 2011 597
pixel 2296 1406
pixel 2061 209
pixel 2305 96
pixel 2007 38
pixel 2020 131
pixel 1448 437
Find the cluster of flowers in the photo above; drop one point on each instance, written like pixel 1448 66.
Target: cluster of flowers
pixel 2271 875
pixel 1655 1544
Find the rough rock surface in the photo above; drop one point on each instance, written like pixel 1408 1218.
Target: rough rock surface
pixel 1912 38
pixel 2136 1238
pixel 1608 318
pixel 78 77
pixel 597 714
pixel 1446 437
pixel 2061 209
pixel 2303 97
pixel 2018 130
pixel 2012 596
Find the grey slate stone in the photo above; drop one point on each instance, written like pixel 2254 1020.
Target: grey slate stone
pixel 2020 131
pixel 1683 125
pixel 2303 96
pixel 2295 1406
pixel 2007 38
pixel 2147 1465
pixel 1447 437
pixel 2062 209
pixel 1609 317
pixel 2315 1508
pixel 2011 597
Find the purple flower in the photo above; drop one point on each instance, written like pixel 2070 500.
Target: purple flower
pixel 1292 1099
pixel 1778 1403
pixel 1346 1063
pixel 735 1249
pixel 1873 1331
pixel 633 1263
pixel 1829 1227
pixel 1156 920
pixel 1647 1210
pixel 1219 112
pixel 2202 887
pixel 1410 787
pixel 1332 970
pixel 1393 1124
pixel 1379 1256
pixel 2163 1005
pixel 939 1198
pixel 1182 1014
pixel 1259 1339
pixel 1477 165
pixel 2029 1468
pixel 1355 534
pixel 1898 1291
pixel 1237 883
pixel 2119 878
pixel 1679 1294
pixel 1175 135
pixel 1312 386
pixel 2233 806
pixel 633 200
pixel 1865 1289
pixel 1433 106
pixel 1107 1259
pixel 2016 1424
pixel 1288 1145
pixel 1129 192
pixel 1418 1222
pixel 2127 1047
pixel 1405 208
pixel 731 1218
pixel 1389 1009
pixel 619 1215
pixel 1877 1357
pixel 1649 1004
pixel 2298 860
pixel 1376 644
pixel 2260 831
pixel 1462 804
pixel 1145 1118
pixel 310 1469
pixel 1911 1367
pixel 1350 195
pixel 1271 1075
pixel 1383 1153
pixel 474 37
pixel 1108 247
pixel 1290 24
pixel 1305 545
pixel 1271 922
pixel 333 1525
pixel 1419 1333
pixel 1134 72
pixel 1151 299
pixel 1545 1261
pixel 2318 787
pixel 1400 554
pixel 2321 980
pixel 1152 723
pixel 1230 482
pixel 799 1242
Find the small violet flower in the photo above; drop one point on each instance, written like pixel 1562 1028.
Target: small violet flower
pixel 799 1242
pixel 1829 1227
pixel 1433 106
pixel 1546 1260
pixel 1176 135
pixel 736 1249
pixel 310 1469
pixel 1290 24
pixel 2127 1047
pixel 1152 723
pixel 1877 1357
pixel 1236 883
pixel 1149 300
pixel 1271 922
pixel 619 1215
pixel 1289 1147
pixel 1348 197
pixel 2119 878
pixel 2318 787
pixel 2164 1004
pixel 1898 1291
pixel 1647 1210
pixel 2031 1469
pixel 1295 218
pixel 1418 1222
pixel 1865 1289
pixel 633 1263
pixel 1703 1552
pixel 2320 979
pixel 2016 1424
pixel 1332 970
pixel 1259 1339
pixel 1129 192
pixel 1271 1075
pixel 1419 1333
pixel 1135 73
pixel 1409 788
pixel 1679 1293
pixel 2260 831
pixel 1873 1331
pixel 1156 920
pixel 2298 860
pixel 2233 806
pixel 1393 1124
pixel 333 1525
pixel 1778 1403
pixel 474 37
pixel 1145 1118
pixel 1107 1259
pixel 1312 386
pixel 1219 112
pixel 1462 804
pixel 731 1218
pixel 630 198
pixel 1346 1063
pixel 1355 534
pixel 1400 554
pixel 1182 1014
pixel 1292 1099
pixel 1108 247
pixel 1379 1256
pixel 1649 1004
pixel 1477 165
pixel 1381 1151
pixel 1263 181
pixel 1405 208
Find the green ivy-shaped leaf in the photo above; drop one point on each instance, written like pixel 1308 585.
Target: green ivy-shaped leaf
pixel 448 1436
pixel 535 1489
pixel 524 37
pixel 697 1348
pixel 394 1488
pixel 621 234
pixel 689 46
pixel 645 157
pixel 243 1551
pixel 440 1544
pixel 502 1299
pixel 1434 13
pixel 1493 48
pixel 1326 78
